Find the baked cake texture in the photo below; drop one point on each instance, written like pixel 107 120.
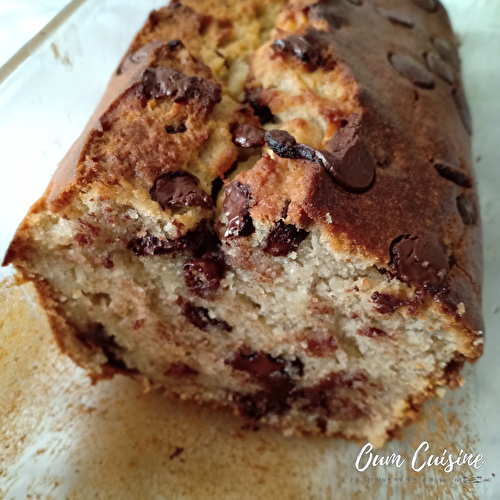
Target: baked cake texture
pixel 272 210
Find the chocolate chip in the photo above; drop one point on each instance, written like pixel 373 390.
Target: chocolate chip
pixel 258 364
pixel 96 336
pixel 447 52
pixel 356 2
pixel 236 207
pixel 463 109
pixel 179 189
pixel 282 143
pixel 453 174
pixel 283 239
pixel 396 17
pixel 412 70
pixel 373 332
pixel 202 276
pixel 428 5
pixel 199 317
pixel 261 111
pixel 386 303
pixel 137 56
pixel 299 47
pixel 151 245
pixel 467 210
pixel 179 129
pixel 419 261
pixel 168 82
pixel 247 136
pixel 440 68
pixel 175 45
pixel 326 12
pixel 348 163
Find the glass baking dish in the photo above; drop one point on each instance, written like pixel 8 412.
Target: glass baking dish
pixel 62 437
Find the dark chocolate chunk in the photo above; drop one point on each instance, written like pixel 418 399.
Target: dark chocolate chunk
pixel 373 333
pixel 396 17
pixel 356 2
pixel 453 174
pixel 247 136
pixel 179 189
pixel 299 47
pixel 386 303
pixel 172 129
pixel 168 82
pixel 151 245
pixel 283 239
pixel 447 52
pixel 440 68
pixel 177 452
pixel 327 12
pixel 348 163
pixel 463 109
pixel 283 144
pixel 137 56
pixel 428 5
pixel 259 364
pixel 202 276
pixel 261 111
pixel 199 317
pixel 412 70
pixel 467 210
pixel 179 369
pixel 97 336
pixel 175 45
pixel 236 207
pixel 419 261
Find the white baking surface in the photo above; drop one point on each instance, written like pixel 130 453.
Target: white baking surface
pixel 20 20
pixel 61 437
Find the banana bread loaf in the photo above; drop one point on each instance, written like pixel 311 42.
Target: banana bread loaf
pixel 272 210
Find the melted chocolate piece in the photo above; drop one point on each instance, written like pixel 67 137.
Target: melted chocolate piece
pixel 412 70
pixel 283 144
pixel 440 68
pixel 447 52
pixel 203 240
pixel 396 17
pixel 428 5
pixel 258 364
pixel 178 189
pixel 283 239
pixel 463 109
pixel 419 261
pixel 467 210
pixel 373 333
pixel 284 214
pixel 168 82
pixel 356 2
pixel 326 12
pixel 97 336
pixel 348 163
pixel 179 369
pixel 137 56
pixel 299 47
pixel 151 245
pixel 236 207
pixel 453 174
pixel 261 111
pixel 172 129
pixel 386 303
pixel 247 136
pixel 202 276
pixel 199 317
pixel 175 44
pixel 322 347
